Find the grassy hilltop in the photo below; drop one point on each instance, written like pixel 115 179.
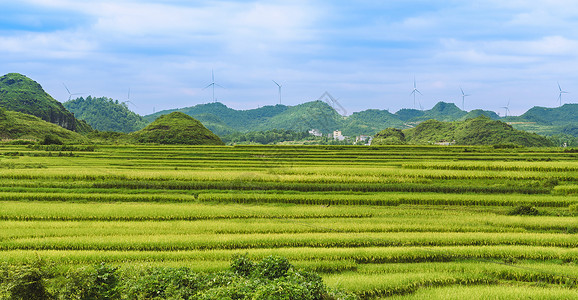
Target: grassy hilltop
pixel 177 128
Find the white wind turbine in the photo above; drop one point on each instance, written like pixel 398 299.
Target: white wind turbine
pixel 212 84
pixel 507 108
pixel 278 85
pixel 415 90
pixel 69 93
pixel 464 95
pixel 560 95
pixel 128 99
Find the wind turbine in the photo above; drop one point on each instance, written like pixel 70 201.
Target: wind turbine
pixel 128 99
pixel 213 84
pixel 70 94
pixel 279 90
pixel 414 91
pixel 464 95
pixel 560 95
pixel 507 108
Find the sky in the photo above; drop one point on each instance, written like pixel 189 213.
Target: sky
pixel 365 53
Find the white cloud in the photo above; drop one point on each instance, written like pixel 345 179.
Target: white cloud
pixel 52 45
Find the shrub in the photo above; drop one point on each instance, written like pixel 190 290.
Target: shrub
pixel 272 267
pixel 51 140
pixel 242 266
pixel 523 210
pixel 99 282
pixel 27 283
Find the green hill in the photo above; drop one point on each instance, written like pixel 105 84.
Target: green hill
pixel 105 114
pixel 389 136
pixel 20 126
pixel 176 128
pixel 442 111
pixel 223 120
pixel 407 114
pixel 302 117
pixel 22 94
pixel 564 115
pixel 478 131
pixel 369 122
pixel 477 113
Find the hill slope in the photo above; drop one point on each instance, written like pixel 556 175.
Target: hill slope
pixel 105 114
pixel 370 121
pixel 20 126
pixel 176 128
pixel 478 131
pixel 22 94
pixel 564 115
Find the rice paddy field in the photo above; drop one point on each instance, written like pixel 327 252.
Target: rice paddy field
pixel 409 222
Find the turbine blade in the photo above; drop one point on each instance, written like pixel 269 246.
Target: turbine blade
pixel 277 83
pixel 208 86
pixel 66 88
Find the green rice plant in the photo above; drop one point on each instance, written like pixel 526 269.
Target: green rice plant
pixel 387 285
pixel 361 255
pixel 182 241
pixel 505 291
pixel 138 211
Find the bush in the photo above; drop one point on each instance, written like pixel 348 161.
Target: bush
pixel 51 140
pixel 271 278
pixel 163 283
pixel 272 267
pixel 242 266
pixel 99 282
pixel 523 210
pixel 26 283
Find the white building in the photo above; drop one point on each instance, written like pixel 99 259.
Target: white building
pixel 338 136
pixel 315 132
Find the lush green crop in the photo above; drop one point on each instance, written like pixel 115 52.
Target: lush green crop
pixel 379 221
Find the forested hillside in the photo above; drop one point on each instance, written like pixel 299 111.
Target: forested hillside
pixel 22 94
pixel 106 114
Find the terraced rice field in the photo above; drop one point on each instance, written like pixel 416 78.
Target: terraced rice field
pixel 378 221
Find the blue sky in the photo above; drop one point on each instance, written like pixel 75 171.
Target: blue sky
pixel 365 53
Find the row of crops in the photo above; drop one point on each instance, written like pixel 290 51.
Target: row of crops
pixel 376 221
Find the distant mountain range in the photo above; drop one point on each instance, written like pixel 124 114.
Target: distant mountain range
pixel 319 115
pixel 19 93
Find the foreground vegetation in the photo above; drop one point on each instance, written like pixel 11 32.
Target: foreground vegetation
pixel 271 278
pixel 403 221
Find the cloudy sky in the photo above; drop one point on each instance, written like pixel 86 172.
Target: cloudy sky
pixel 366 53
